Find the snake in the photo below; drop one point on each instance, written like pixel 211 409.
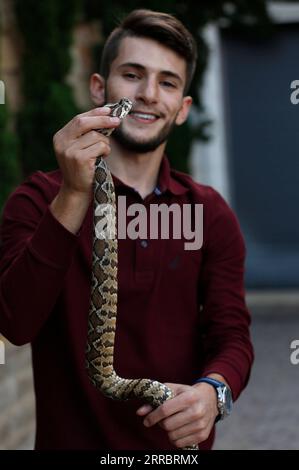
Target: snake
pixel 103 296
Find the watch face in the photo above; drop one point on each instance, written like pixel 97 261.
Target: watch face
pixel 225 402
pixel 228 400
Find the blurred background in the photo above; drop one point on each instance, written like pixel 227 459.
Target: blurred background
pixel 242 138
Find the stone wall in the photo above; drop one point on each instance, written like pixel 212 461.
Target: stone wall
pixel 17 419
pixel 17 416
pixel 10 52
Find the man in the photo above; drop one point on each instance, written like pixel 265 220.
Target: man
pixel 181 314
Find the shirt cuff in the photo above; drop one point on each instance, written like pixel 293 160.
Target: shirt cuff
pixel 229 373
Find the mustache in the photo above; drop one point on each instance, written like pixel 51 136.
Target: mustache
pixel 141 108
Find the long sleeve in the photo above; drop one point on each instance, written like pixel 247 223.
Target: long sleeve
pixel 35 254
pixel 225 317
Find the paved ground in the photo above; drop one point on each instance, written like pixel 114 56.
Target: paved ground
pixel 266 416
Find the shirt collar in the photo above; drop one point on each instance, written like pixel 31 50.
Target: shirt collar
pixel 165 181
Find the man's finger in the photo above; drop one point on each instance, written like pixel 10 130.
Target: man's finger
pixel 144 410
pixel 95 150
pixel 176 388
pixel 168 408
pixel 82 125
pixel 99 111
pixel 90 138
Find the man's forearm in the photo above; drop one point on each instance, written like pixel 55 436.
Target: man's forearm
pixel 32 278
pixel 70 208
pixel 218 377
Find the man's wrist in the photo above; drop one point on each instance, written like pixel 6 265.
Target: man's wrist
pixel 223 393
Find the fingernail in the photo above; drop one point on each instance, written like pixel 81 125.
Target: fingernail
pixel 146 423
pixel 115 120
pixel 103 110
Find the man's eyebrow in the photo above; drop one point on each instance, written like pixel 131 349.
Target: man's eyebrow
pixel 140 67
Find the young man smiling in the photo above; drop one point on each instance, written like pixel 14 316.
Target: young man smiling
pixel 181 314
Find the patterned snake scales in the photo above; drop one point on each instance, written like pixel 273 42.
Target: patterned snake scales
pixel 103 303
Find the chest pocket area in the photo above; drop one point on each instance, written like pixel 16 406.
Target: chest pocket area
pixel 179 264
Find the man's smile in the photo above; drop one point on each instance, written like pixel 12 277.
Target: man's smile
pixel 144 117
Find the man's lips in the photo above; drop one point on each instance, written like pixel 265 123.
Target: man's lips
pixel 143 116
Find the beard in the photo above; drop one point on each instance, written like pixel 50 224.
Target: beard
pixel 142 146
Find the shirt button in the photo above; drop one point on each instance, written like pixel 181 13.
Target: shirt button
pixel 144 243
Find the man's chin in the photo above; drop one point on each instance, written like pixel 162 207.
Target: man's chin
pixel 138 146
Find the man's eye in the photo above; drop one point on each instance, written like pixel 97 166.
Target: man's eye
pixel 168 84
pixel 130 75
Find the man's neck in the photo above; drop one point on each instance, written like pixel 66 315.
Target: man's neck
pixel 140 171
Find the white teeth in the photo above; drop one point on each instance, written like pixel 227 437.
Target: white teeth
pixel 149 117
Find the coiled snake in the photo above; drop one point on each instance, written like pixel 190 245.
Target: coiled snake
pixel 103 303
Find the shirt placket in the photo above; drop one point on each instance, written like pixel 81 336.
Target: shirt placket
pixel 145 254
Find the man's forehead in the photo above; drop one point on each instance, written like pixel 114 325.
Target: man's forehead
pixel 150 54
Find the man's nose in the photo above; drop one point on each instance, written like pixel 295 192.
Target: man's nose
pixel 148 91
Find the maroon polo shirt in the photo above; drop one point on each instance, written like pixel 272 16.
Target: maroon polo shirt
pixel 181 314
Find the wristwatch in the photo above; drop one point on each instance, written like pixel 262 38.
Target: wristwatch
pixel 224 396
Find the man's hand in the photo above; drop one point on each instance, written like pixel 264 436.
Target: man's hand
pixel 77 146
pixel 188 417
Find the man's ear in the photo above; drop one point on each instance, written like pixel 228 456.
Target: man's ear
pixel 184 111
pixel 97 89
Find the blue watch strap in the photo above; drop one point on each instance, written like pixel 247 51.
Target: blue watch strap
pixel 210 381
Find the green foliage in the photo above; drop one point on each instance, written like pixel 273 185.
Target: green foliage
pixel 47 31
pixel 47 26
pixel 38 121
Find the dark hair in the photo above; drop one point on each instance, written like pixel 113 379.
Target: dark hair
pixel 162 27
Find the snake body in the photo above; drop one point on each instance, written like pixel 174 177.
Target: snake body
pixel 103 301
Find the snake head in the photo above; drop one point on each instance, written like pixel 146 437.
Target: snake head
pixel 120 109
pixel 126 105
